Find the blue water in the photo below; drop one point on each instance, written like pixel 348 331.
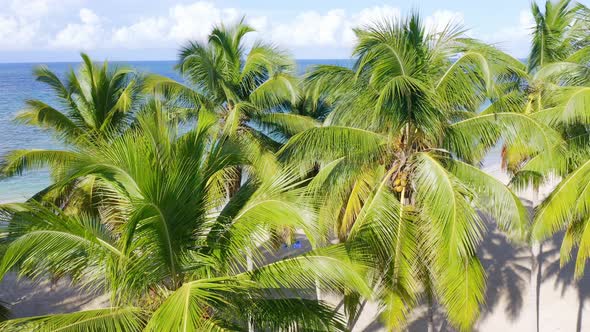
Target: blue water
pixel 17 85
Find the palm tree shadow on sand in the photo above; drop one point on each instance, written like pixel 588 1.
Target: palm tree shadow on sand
pixel 507 269
pixel 563 277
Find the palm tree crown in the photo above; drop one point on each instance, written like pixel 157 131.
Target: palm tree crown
pixel 96 101
pixel 396 156
pixel 560 30
pixel 241 85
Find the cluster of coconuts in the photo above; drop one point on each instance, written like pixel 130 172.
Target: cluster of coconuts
pixel 400 181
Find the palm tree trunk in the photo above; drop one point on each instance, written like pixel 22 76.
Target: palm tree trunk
pixel 249 267
pixel 431 307
pixel 353 320
pixel 535 276
pixel 535 280
pixel 431 327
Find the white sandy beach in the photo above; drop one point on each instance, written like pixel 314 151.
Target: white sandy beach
pixel 509 308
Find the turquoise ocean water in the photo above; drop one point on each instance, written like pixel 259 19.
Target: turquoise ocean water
pixel 17 85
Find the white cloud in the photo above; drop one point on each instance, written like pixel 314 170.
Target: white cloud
pixel 440 19
pixel 183 22
pixel 368 16
pixel 30 8
pixel 17 33
pixel 375 14
pixel 86 35
pixel 144 32
pixel 20 23
pixel 335 28
pixel 516 38
pixel 311 28
pixel 42 24
pixel 88 17
pixel 259 23
pixel 194 21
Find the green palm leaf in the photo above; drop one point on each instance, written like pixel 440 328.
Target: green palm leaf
pixel 18 161
pixel 336 142
pixel 494 198
pixel 109 319
pixel 455 230
pixel 38 113
pixel 189 307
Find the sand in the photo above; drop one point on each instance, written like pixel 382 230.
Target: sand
pixel 27 298
pixel 561 304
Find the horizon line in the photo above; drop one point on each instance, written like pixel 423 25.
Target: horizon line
pixel 159 60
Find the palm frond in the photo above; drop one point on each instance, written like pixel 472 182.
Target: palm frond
pixel 18 161
pixel 294 314
pixel 470 139
pixel 455 231
pixel 38 113
pixel 285 124
pixel 331 265
pixel 191 307
pixel 108 319
pixel 172 90
pixel 335 142
pixel 494 198
pixel 566 202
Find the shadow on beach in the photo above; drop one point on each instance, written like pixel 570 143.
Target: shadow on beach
pixel 508 271
pixel 27 298
pixel 507 268
pixel 563 277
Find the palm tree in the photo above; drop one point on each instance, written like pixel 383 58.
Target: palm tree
pixel 246 88
pixel 559 31
pixel 169 246
pixel 550 89
pixel 557 64
pixel 398 180
pixel 95 103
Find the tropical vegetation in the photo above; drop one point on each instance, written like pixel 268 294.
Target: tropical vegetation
pixel 550 90
pixel 396 161
pixel 556 93
pixel 176 197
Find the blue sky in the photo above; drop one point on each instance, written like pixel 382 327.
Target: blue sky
pixel 57 30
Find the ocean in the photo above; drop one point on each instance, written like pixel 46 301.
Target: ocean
pixel 17 84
